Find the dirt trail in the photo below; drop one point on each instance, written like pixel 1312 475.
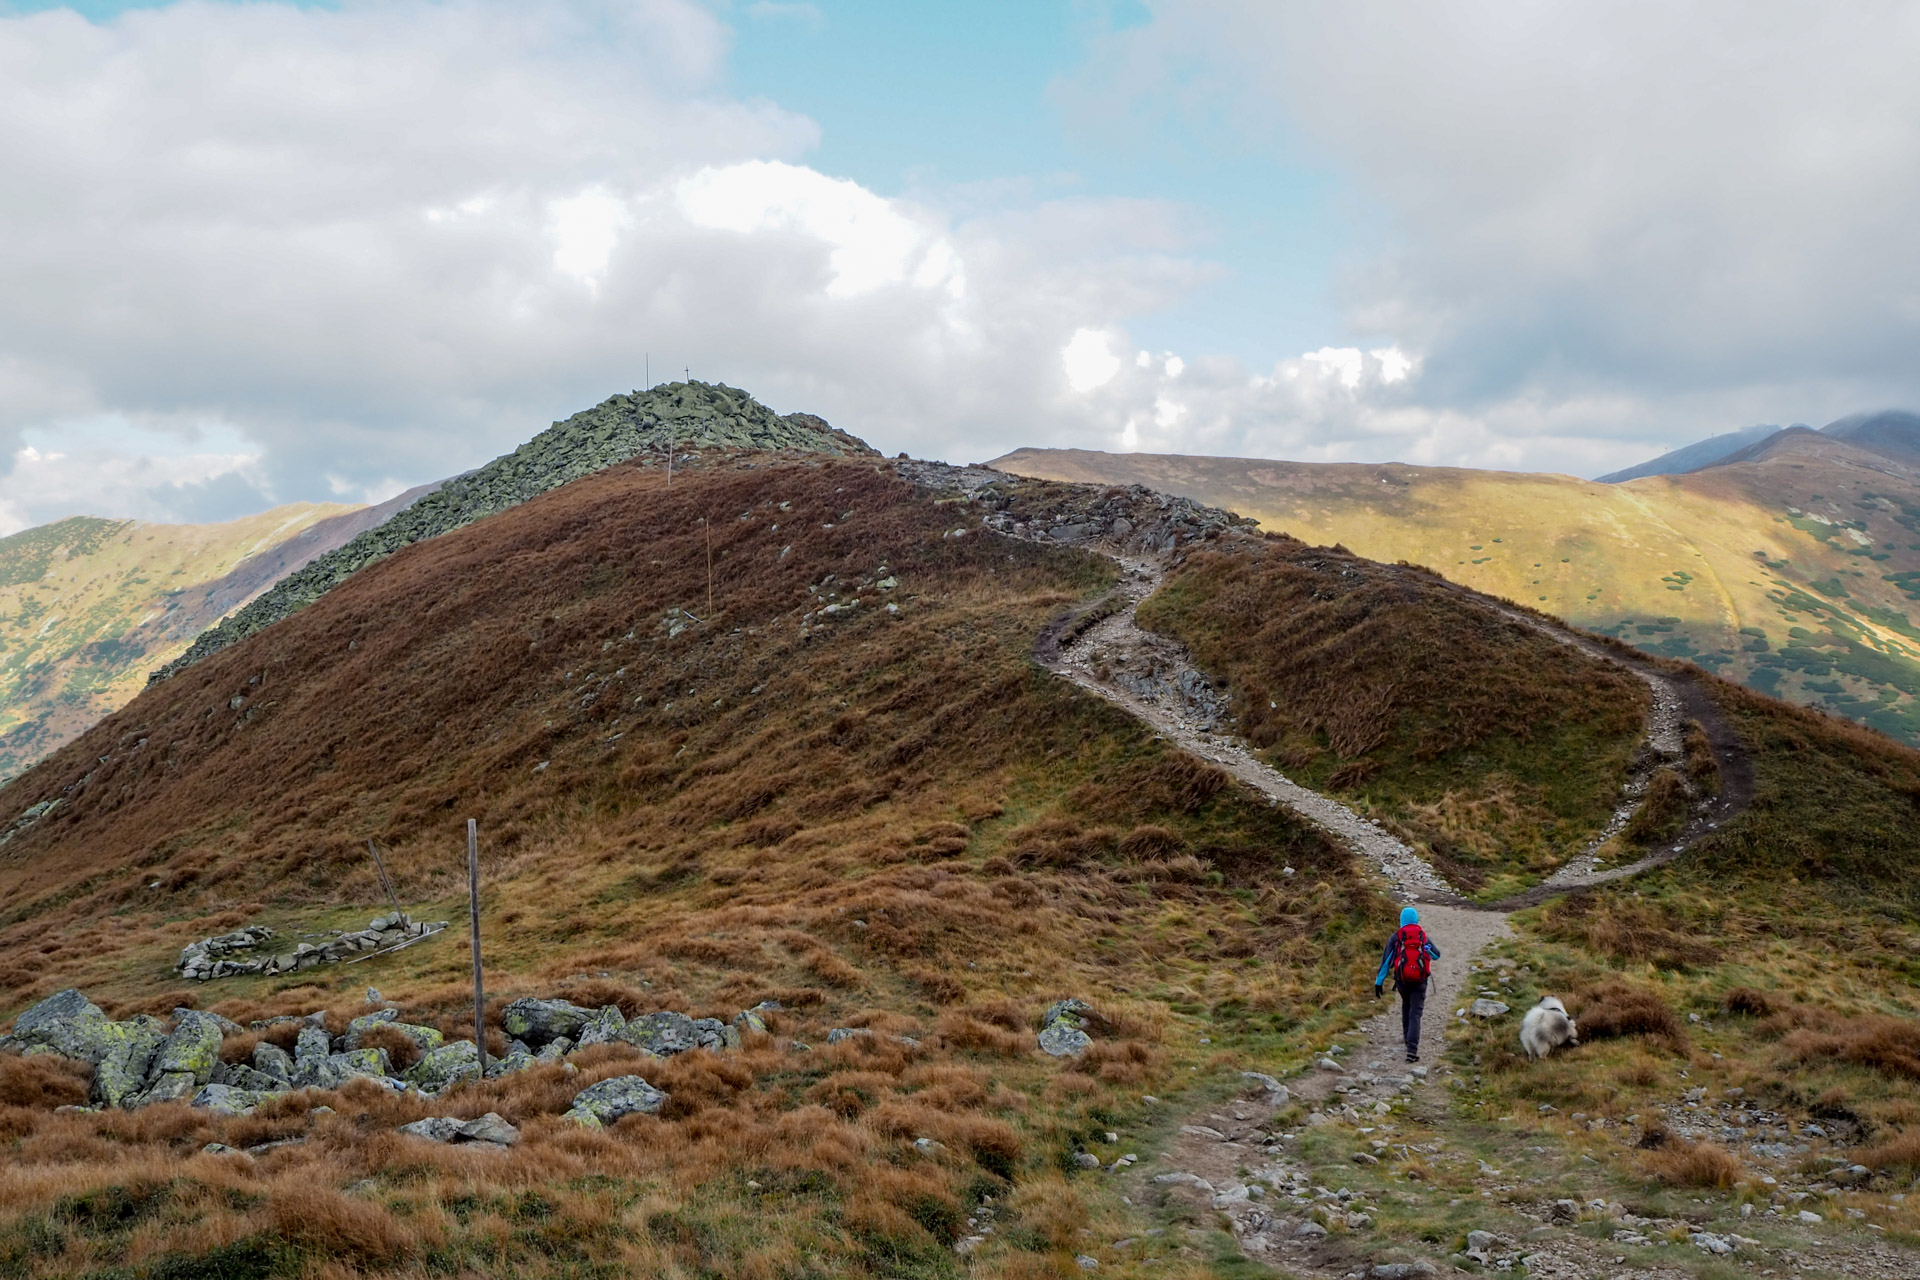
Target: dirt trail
pixel 1220 1154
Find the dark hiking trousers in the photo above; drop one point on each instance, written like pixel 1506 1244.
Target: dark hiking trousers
pixel 1413 1002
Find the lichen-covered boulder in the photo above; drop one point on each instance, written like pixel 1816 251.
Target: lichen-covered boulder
pixel 228 1100
pixel 518 1060
pixel 539 1021
pixel 69 1024
pixel 1072 1009
pixel 360 1062
pixel 554 1052
pixel 451 1062
pixel 601 1104
pixel 663 1034
pixel 193 1047
pixel 169 1086
pixel 490 1129
pixel 310 1050
pixel 272 1060
pixel 123 1071
pixel 603 1028
pixel 240 1076
pixel 1064 1040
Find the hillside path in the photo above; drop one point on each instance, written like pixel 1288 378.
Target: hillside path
pixel 1151 677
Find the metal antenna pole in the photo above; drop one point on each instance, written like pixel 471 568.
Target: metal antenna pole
pixel 479 988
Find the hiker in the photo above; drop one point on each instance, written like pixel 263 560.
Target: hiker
pixel 1409 958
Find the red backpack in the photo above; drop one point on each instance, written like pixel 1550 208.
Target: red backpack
pixel 1415 965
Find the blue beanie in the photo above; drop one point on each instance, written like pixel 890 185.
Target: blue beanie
pixel 1408 916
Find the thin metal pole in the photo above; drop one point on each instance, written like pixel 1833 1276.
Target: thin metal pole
pixel 479 989
pixel 709 524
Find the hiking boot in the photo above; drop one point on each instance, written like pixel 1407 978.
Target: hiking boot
pixel 1413 1057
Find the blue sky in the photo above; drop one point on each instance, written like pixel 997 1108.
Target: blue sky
pixel 912 96
pixel 257 252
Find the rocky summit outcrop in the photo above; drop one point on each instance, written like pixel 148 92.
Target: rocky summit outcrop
pixel 673 418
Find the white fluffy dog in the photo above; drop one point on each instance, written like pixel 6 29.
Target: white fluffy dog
pixel 1546 1028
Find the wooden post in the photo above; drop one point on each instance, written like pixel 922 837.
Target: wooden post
pixel 479 988
pixel 392 898
pixel 709 524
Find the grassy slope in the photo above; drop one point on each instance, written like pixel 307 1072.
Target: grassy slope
pixel 1716 566
pixel 897 823
pixel 83 604
pixel 1494 749
pixel 1776 964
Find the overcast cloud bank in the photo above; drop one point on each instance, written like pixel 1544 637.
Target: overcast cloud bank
pixel 252 254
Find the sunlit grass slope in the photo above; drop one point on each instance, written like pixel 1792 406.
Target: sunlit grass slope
pixel 1795 573
pixel 1494 749
pixel 694 792
pixel 89 606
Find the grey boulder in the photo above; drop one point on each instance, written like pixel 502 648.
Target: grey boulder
pixel 540 1021
pixel 70 1025
pixel 228 1100
pixel 272 1060
pixel 601 1104
pixel 489 1129
pixel 120 1075
pixel 453 1062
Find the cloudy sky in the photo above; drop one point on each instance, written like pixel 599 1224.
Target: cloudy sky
pixel 252 253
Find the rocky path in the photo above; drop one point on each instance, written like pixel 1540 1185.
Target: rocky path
pixel 1236 1158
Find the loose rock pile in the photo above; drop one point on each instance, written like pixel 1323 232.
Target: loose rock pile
pixel 208 958
pixel 144 1060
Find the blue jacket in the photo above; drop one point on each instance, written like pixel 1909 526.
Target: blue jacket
pixel 1390 960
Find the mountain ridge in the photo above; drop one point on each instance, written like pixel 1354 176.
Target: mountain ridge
pixel 664 419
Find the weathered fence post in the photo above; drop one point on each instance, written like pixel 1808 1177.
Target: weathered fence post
pixel 479 987
pixel 392 898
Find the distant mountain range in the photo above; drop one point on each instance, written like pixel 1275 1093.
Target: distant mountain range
pixel 88 605
pixel 1894 433
pixel 1788 559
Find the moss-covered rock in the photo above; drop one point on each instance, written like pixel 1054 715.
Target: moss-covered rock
pixel 70 1025
pixel 192 1049
pixel 122 1073
pixel 459 1060
pixel 601 1104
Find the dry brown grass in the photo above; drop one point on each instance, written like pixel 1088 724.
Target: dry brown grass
pixel 1693 1164
pixel 1897 1154
pixel 1749 1002
pixel 1890 1046
pixel 735 814
pixel 1662 811
pixel 1631 929
pixel 1614 1008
